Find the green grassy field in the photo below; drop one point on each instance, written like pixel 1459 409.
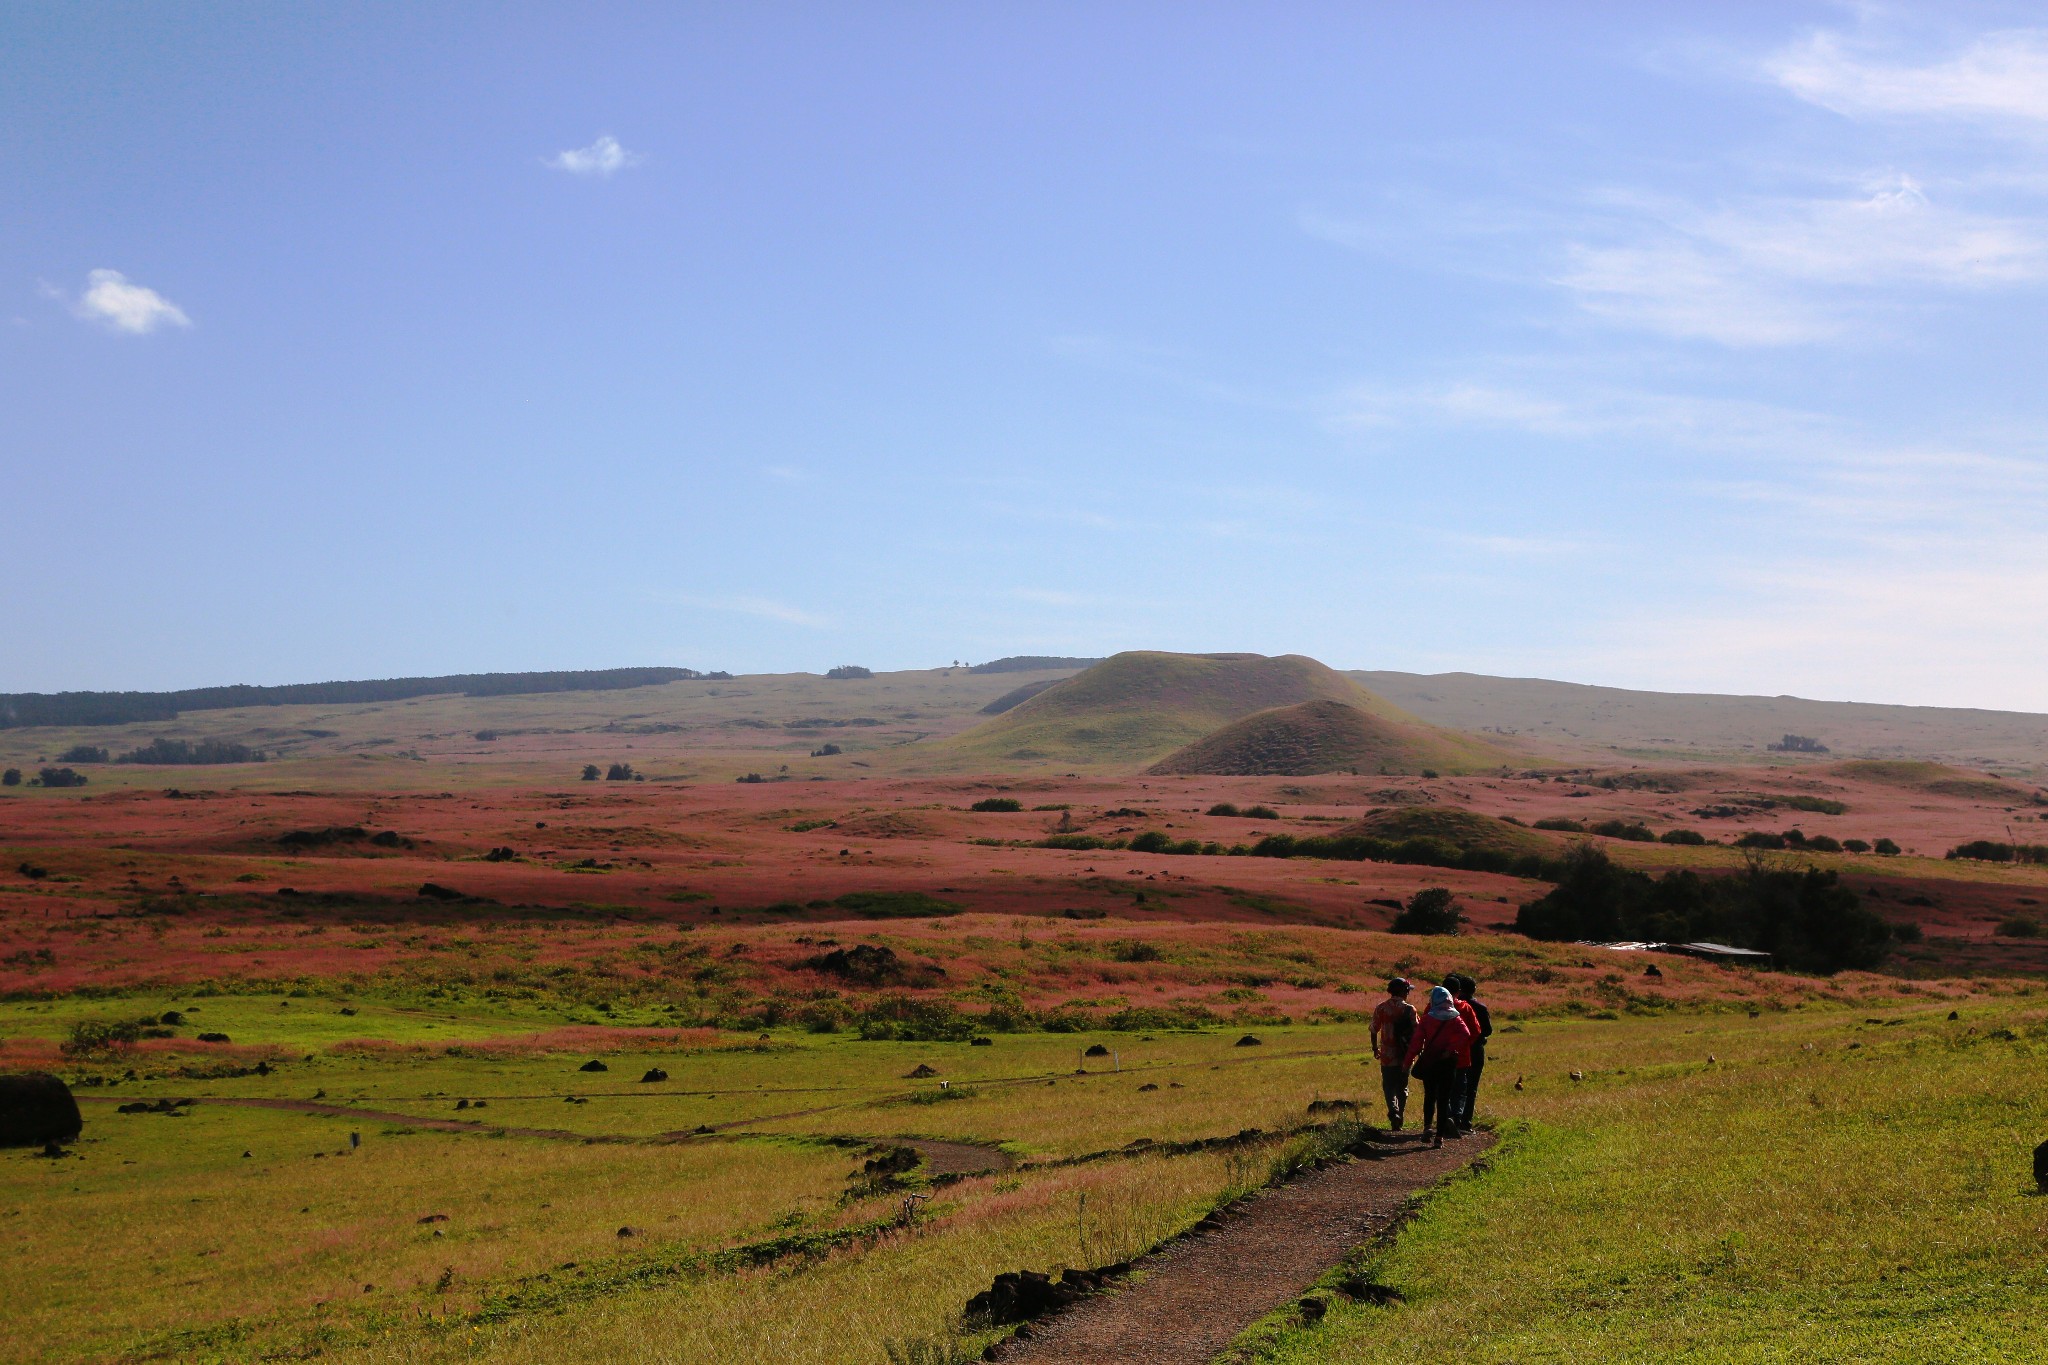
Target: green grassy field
pixel 1825 1186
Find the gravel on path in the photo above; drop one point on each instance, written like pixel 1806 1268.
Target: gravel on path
pixel 1194 1298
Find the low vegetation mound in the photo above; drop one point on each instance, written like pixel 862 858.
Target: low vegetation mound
pixel 1465 830
pixel 1326 736
pixel 1938 779
pixel 1134 709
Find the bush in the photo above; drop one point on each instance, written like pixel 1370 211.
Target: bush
pixel 1431 910
pixel 1886 848
pixel 101 1037
pixel 846 672
pixel 591 772
pixel 998 803
pixel 1822 843
pixel 1622 829
pixel 1855 846
pixel 1757 838
pixel 1561 824
pixel 1133 950
pixel 11 778
pixel 1259 813
pixel 1692 838
pixel 826 751
pixel 1223 808
pixel 60 777
pixel 162 752
pixel 1152 841
pixel 1807 920
pixel 2019 926
pixel 83 753
pixel 1078 841
pixel 1991 851
pixel 619 772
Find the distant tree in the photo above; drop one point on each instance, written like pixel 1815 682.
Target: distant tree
pixel 1886 847
pixel 846 672
pixel 178 752
pixel 60 777
pixel 997 803
pixel 1224 808
pixel 1799 744
pixel 1855 846
pixel 619 772
pixel 1682 836
pixel 11 778
pixel 83 753
pixel 1432 910
pixel 826 751
pixel 591 773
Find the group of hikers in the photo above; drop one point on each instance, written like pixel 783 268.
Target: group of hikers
pixel 1444 1047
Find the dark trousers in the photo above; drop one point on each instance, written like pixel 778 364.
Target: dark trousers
pixel 1440 1083
pixel 1468 1091
pixel 1394 1085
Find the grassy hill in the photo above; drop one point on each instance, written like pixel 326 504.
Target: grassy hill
pixel 1329 736
pixel 1936 778
pixel 1136 708
pixel 1466 829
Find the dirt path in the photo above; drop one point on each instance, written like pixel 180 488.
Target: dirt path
pixel 1195 1297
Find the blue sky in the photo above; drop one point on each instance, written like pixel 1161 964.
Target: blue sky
pixel 1696 347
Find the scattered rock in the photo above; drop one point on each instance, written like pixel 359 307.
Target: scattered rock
pixel 593 1065
pixel 629 1232
pixel 920 1071
pixel 1653 970
pixel 981 1042
pixel 462 1104
pixel 1248 1041
pixel 1313 1307
pixel 1021 1295
pixel 434 891
pixel 1147 1086
pixel 1096 1050
pixel 37 1108
pixel 1331 1106
pixel 654 1073
pixel 434 1218
pixel 500 855
pixel 1366 1291
pixel 214 1038
pixel 1953 1016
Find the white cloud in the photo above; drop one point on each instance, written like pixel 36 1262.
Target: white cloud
pixel 2001 76
pixel 1774 272
pixel 113 300
pixel 601 158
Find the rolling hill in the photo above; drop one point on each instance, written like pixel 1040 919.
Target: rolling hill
pixel 1328 736
pixel 1137 708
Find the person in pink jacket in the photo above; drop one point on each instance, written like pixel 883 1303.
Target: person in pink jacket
pixel 1441 1047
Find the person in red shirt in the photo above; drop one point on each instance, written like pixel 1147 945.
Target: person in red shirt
pixel 1441 1047
pixel 1393 1024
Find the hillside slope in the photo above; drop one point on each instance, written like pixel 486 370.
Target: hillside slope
pixel 1138 707
pixel 1329 736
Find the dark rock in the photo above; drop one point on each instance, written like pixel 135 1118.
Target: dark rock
pixel 1365 1291
pixel 434 891
pixel 500 855
pixel 171 1018
pixel 1248 1041
pixel 1020 1295
pixel 864 962
pixel 629 1232
pixel 214 1038
pixel 1096 1050
pixel 593 1065
pixel 981 1042
pixel 37 1108
pixel 1653 970
pixel 654 1073
pixel 920 1071
pixel 1331 1106
pixel 1953 1016
pixel 1313 1307
pixel 462 1104
pixel 1147 1086
pixel 434 1218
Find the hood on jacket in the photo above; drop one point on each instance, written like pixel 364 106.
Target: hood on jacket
pixel 1441 1006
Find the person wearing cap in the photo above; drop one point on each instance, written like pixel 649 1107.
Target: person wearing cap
pixel 1440 1049
pixel 1393 1024
pixel 1480 1021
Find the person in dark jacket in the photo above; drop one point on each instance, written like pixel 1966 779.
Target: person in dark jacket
pixel 1440 1049
pixel 1480 1020
pixel 1393 1024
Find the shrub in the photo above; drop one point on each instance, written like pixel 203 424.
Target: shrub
pixel 1886 847
pixel 2019 926
pixel 1431 910
pixel 1623 829
pixel 162 752
pixel 1820 805
pixel 1988 851
pixel 1134 950
pixel 1223 808
pixel 1690 837
pixel 998 803
pixel 1561 824
pixel 1259 813
pixel 101 1037
pixel 60 777
pixel 1822 843
pixel 1855 846
pixel 1757 838
pixel 619 772
pixel 11 778
pixel 847 672
pixel 83 753
pixel 1079 841
pixel 1905 931
pixel 1152 841
pixel 826 751
pixel 591 772
pixel 1807 920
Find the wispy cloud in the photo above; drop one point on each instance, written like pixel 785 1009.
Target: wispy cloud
pixel 2001 76
pixel 114 301
pixel 762 608
pixel 604 157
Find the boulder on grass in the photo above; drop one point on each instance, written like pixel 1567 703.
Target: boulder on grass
pixel 1247 1041
pixel 654 1073
pixel 593 1065
pixel 921 1071
pixel 36 1108
pixel 1096 1050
